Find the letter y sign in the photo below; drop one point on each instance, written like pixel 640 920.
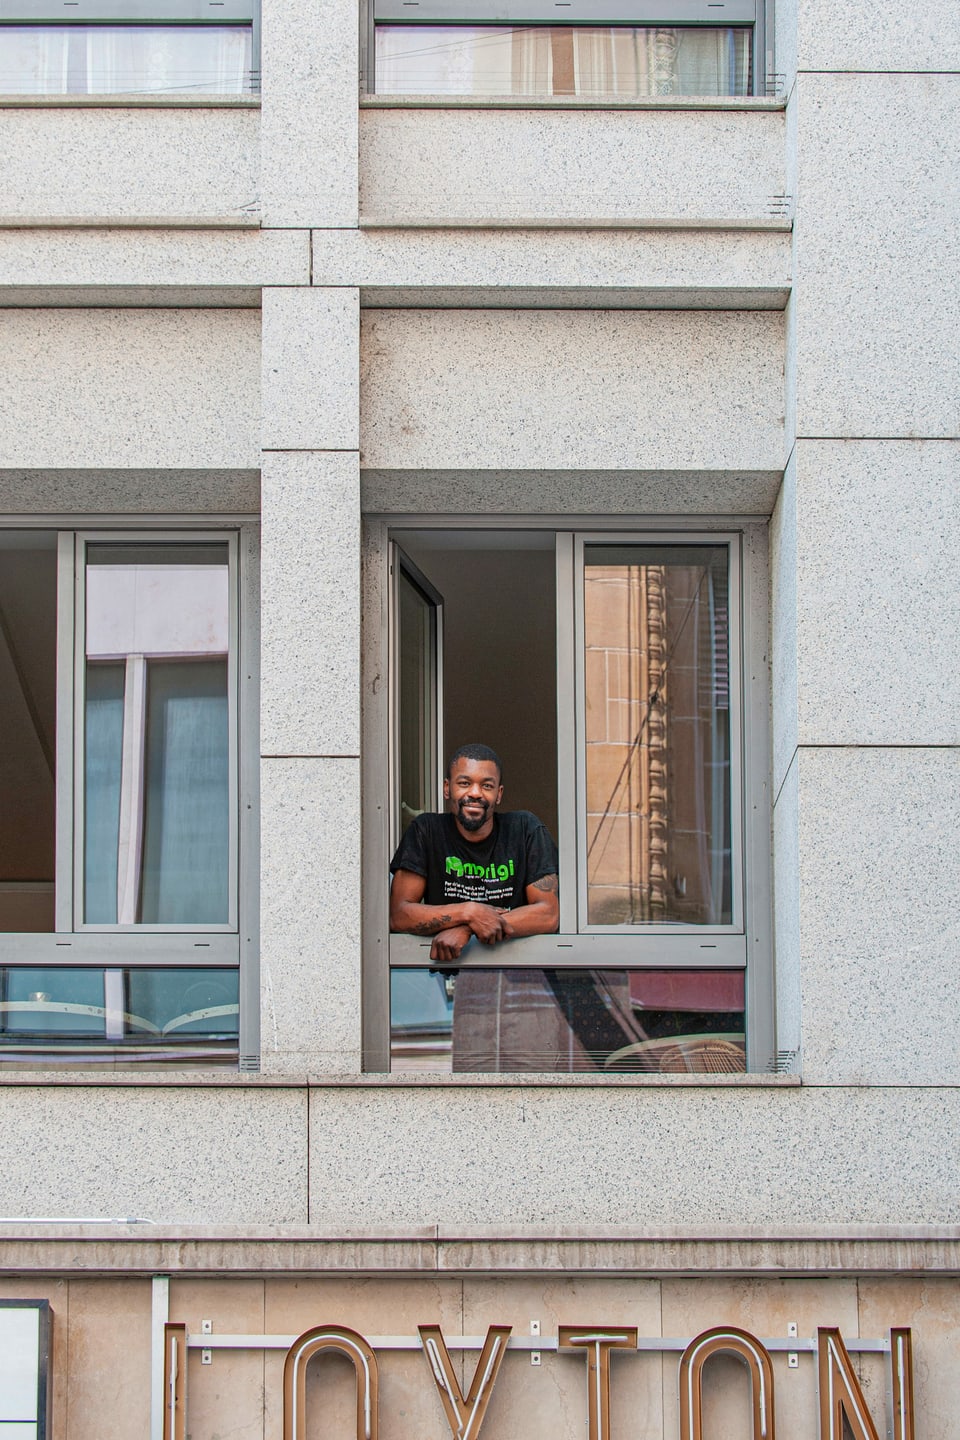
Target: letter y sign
pixel 465 1416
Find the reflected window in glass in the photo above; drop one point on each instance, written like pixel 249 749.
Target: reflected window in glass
pixel 157 774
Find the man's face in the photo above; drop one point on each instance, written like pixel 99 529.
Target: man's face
pixel 472 790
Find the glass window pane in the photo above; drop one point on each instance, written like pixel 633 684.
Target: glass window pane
pixel 417 646
pixel 125 59
pixel 157 746
pixel 51 1001
pixel 658 824
pixel 421 1019
pixel 608 62
pixel 187 821
pixel 566 1021
pixel 28 671
pixel 103 745
pixel 59 1014
pixel 180 1004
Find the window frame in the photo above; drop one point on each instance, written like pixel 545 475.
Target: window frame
pixel 697 14
pixel 573 914
pixel 748 947
pixel 72 943
pixel 144 14
pixel 83 540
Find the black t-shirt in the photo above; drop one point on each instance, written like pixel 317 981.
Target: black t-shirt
pixel 495 871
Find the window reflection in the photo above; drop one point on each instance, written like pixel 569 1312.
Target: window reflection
pixel 568 1021
pixel 421 1019
pixel 417 647
pixel 145 1015
pixel 156 716
pixel 656 633
pixel 53 1001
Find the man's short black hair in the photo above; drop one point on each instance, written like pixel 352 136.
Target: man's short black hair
pixel 475 752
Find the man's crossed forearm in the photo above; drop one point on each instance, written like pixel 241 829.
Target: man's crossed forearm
pixel 433 925
pixel 484 921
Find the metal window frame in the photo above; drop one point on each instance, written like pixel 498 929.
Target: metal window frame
pixel 673 937
pixel 84 540
pixel 696 13
pixel 147 947
pixel 127 12
pixel 574 12
pixel 202 13
pixel 44 1363
pixel 750 948
pixel 401 564
pixel 92 537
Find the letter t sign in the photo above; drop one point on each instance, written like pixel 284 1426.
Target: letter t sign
pixel 598 1341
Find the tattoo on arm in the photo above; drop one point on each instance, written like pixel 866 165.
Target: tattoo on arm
pixel 433 927
pixel 549 883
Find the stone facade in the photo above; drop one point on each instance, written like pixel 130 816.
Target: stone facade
pixel 306 312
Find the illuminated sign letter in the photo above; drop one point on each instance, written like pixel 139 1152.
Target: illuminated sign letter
pixel 726 1339
pixel 302 1351
pixel 598 1341
pixel 901 1375
pixel 465 1416
pixel 174 1382
pixel 842 1398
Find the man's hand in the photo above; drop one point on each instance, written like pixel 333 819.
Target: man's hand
pixel 448 944
pixel 485 921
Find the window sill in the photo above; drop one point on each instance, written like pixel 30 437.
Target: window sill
pixel 571 102
pixel 130 102
pixel 173 1078
pixel 545 1080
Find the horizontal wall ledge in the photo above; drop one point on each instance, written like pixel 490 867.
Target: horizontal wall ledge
pixel 130 222
pixel 125 265
pixel 560 297
pixel 512 267
pixel 577 494
pixel 79 1249
pixel 380 297
pixel 126 297
pixel 130 102
pixel 779 223
pixel 571 102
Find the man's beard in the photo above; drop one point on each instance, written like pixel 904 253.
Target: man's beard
pixel 468 822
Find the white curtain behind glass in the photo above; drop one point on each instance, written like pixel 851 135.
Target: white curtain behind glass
pixel 591 61
pixel 124 59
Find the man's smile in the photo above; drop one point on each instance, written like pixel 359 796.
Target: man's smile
pixel 472 814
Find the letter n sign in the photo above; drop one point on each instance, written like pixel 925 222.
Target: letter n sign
pixel 301 1352
pixel 729 1340
pixel 842 1399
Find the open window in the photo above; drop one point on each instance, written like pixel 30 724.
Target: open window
pixel 621 677
pixel 126 845
pixel 635 49
pixel 129 47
